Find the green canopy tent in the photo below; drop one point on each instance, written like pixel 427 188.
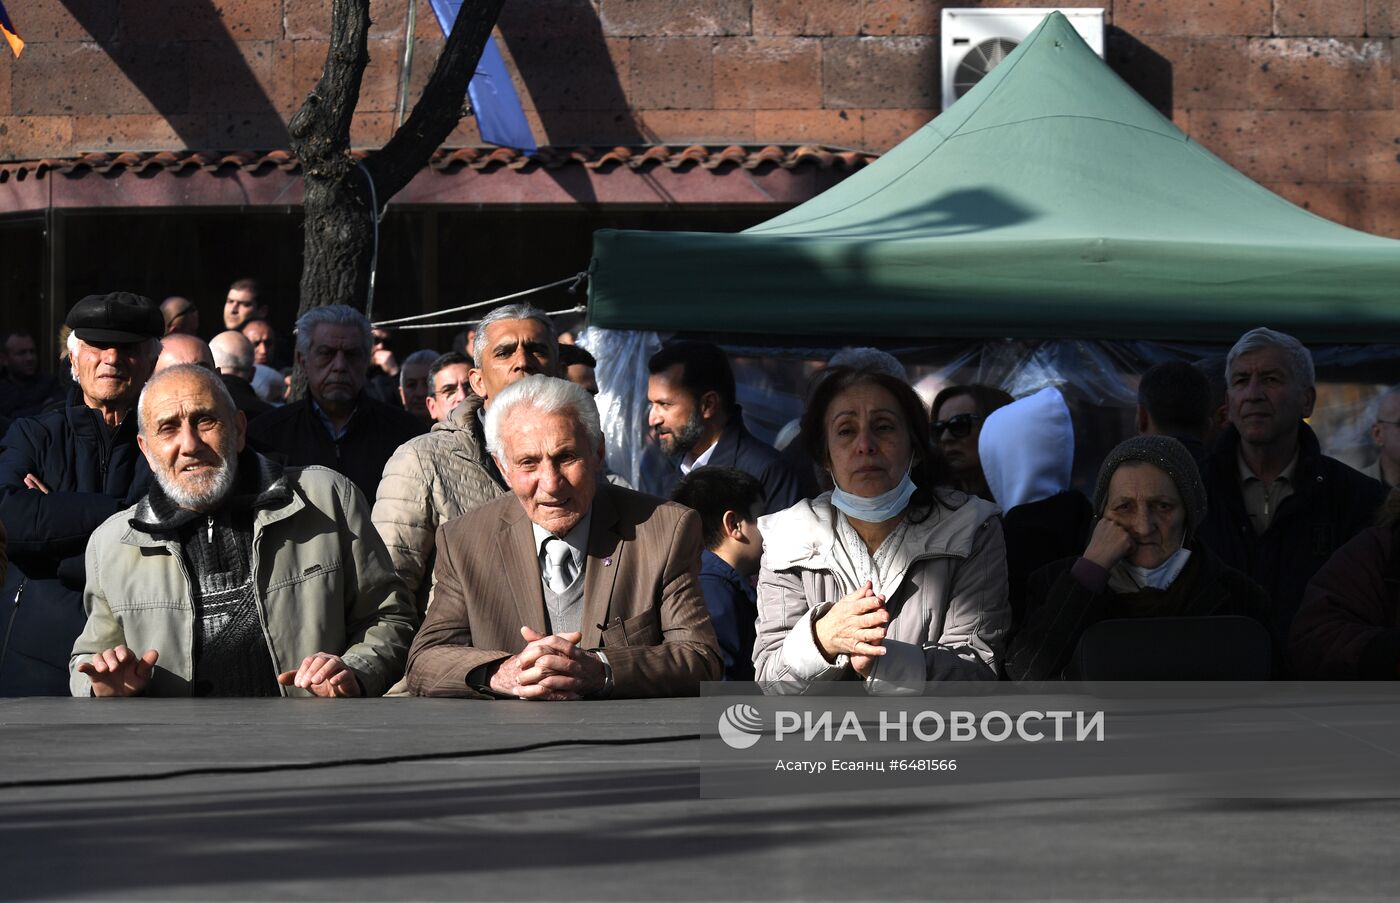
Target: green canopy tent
pixel 1050 202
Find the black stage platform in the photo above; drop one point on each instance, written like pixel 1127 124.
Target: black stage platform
pixel 463 819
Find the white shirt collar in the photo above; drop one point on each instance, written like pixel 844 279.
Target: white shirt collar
pixel 576 539
pixel 688 464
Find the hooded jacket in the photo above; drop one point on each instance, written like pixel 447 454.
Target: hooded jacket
pixel 1027 453
pixel 321 579
pixel 946 592
pixel 1027 449
pixel 430 480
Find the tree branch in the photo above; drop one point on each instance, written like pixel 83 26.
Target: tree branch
pixel 441 107
pixel 338 225
pixel 320 130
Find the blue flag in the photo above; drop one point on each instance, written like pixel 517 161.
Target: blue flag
pixel 499 116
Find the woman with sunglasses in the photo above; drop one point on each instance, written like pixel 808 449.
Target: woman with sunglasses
pixel 958 415
pixel 891 577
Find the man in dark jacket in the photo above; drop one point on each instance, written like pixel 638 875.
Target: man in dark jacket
pixel 25 390
pixel 337 425
pixel 696 422
pixel 233 358
pixel 61 475
pixel 1278 507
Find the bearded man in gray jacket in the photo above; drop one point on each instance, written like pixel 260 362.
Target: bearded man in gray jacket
pixel 236 577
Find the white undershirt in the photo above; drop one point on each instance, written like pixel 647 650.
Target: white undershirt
pixel 700 461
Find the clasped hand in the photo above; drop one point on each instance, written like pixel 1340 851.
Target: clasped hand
pixel 855 626
pixel 549 667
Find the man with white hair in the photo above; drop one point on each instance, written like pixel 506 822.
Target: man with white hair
pixel 61 475
pixel 234 576
pixel 1277 508
pixel 337 425
pixel 568 587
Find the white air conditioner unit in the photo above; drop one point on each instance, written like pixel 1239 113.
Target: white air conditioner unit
pixel 975 41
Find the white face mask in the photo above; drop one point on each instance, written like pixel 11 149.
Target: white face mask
pixel 880 508
pixel 1164 574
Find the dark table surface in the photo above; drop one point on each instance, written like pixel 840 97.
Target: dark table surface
pixel 453 808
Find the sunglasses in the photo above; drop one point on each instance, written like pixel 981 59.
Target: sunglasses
pixel 960 426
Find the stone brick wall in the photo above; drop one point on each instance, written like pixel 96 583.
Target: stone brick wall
pixel 1299 94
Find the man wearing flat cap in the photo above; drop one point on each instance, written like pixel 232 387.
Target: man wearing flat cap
pixel 61 475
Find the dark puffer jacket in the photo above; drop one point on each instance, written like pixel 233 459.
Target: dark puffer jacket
pixel 92 472
pixel 1330 504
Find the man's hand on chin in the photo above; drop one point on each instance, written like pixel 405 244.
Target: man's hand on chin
pixel 550 667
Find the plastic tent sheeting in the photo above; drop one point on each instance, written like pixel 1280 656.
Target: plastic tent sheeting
pixel 1051 202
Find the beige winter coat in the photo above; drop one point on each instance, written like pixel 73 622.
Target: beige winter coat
pixel 946 588
pixel 430 480
pixel 322 582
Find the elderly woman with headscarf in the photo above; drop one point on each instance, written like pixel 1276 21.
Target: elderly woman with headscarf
pixel 1141 561
pixel 890 578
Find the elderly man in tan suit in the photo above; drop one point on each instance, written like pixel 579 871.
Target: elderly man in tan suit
pixel 569 587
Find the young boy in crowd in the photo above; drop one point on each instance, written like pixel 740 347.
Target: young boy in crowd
pixel 729 502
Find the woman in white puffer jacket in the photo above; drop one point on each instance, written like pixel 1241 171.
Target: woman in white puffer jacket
pixel 891 578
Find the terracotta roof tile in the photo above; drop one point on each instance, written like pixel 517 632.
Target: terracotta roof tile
pixel 480 159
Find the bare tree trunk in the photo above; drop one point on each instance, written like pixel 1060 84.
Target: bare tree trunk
pixel 339 229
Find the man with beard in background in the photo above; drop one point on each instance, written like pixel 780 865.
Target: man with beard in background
pixel 696 422
pixel 174 575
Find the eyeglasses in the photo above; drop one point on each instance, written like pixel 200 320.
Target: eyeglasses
pixel 449 389
pixel 959 425
pixel 1388 422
